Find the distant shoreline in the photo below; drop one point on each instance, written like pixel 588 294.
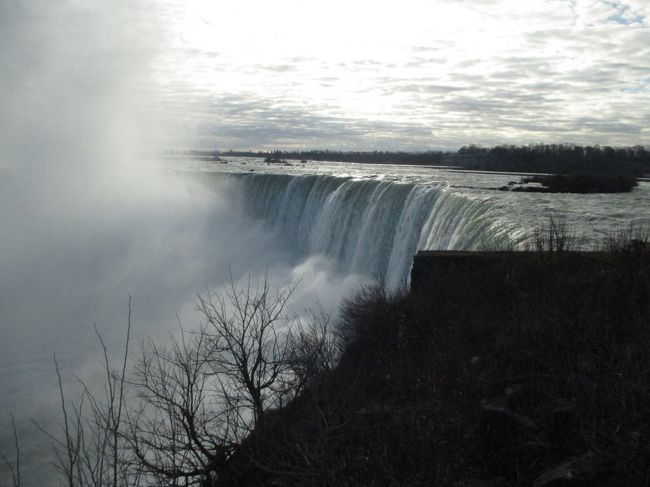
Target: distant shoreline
pixel 527 160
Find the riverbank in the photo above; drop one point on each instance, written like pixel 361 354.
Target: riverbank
pixel 534 158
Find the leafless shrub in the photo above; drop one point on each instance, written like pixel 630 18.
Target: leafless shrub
pixel 174 429
pixel 245 348
pixel 88 447
pixel 555 237
pixel 204 395
pixel 313 349
pixel 183 411
pixel 630 239
pixel 13 467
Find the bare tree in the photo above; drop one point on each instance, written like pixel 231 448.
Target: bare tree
pixel 245 349
pixel 88 448
pixel 177 428
pixel 13 467
pixel 201 396
pixel 313 349
pixel 184 411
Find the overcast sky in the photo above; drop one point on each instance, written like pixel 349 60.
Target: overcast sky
pixel 408 74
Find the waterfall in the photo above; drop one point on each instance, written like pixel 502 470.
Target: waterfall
pixel 366 226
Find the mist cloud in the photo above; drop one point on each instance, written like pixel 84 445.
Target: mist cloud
pixel 88 217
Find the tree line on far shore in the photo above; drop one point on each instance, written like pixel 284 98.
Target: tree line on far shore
pixel 367 157
pixel 558 159
pixel 543 158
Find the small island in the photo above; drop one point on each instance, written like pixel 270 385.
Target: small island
pixel 573 183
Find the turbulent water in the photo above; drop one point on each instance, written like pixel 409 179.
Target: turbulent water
pixel 369 227
pixel 371 219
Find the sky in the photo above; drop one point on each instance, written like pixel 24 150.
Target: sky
pixel 408 75
pixel 343 74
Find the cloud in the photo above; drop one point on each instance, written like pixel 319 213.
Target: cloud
pixel 233 121
pixel 423 66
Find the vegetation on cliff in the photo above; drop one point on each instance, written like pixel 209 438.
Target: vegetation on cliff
pixel 504 369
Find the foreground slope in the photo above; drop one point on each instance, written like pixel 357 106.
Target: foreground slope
pixel 495 369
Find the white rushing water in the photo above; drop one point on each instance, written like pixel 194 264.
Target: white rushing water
pixel 371 219
pixel 367 226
